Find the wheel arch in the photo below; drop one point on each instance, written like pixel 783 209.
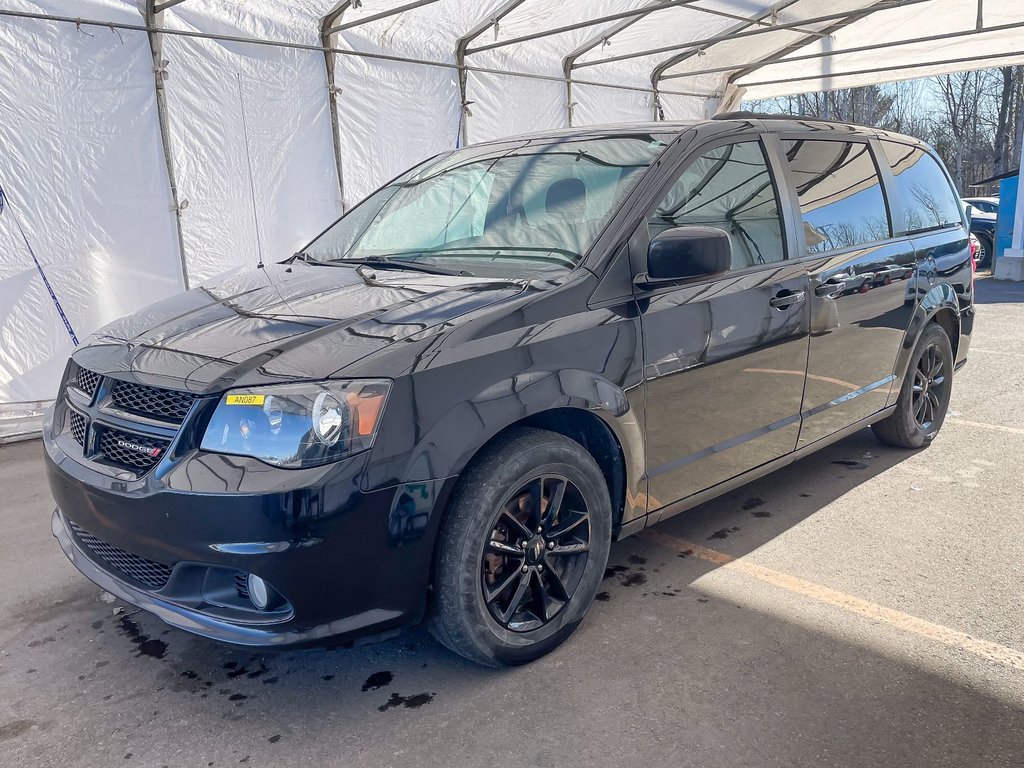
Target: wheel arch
pixel 593 429
pixel 592 432
pixel 581 405
pixel 939 305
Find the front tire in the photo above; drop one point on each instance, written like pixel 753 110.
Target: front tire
pixel 924 398
pixel 985 257
pixel 522 550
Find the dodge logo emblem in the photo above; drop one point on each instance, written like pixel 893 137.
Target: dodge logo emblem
pixel 137 447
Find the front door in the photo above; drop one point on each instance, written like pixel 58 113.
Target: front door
pixel 861 296
pixel 724 357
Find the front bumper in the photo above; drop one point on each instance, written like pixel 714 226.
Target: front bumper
pixel 197 622
pixel 348 562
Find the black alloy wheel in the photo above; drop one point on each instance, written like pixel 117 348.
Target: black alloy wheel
pixel 985 257
pixel 924 397
pixel 536 554
pixel 522 548
pixel 928 387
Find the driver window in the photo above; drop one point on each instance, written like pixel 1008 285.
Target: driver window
pixel 730 188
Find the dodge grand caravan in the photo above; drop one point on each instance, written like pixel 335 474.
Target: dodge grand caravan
pixel 450 403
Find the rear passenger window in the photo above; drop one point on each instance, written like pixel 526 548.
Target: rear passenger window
pixel 840 193
pixel 729 188
pixel 926 200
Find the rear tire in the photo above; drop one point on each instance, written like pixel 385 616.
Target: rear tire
pixel 924 398
pixel 522 550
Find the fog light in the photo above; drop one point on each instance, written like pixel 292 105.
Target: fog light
pixel 259 592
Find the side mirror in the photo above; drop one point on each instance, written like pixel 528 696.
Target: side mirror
pixel 682 253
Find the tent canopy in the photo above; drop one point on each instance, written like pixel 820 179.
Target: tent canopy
pixel 147 146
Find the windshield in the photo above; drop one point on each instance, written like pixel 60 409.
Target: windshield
pixel 514 208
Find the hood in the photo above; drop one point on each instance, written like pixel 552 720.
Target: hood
pixel 281 323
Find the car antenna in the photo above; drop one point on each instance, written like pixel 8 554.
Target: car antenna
pixel 248 162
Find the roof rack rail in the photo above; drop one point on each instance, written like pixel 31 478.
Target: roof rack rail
pixel 746 114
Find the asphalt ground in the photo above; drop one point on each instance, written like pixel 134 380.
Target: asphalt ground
pixel 861 607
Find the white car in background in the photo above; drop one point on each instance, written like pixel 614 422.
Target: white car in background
pixel 984 205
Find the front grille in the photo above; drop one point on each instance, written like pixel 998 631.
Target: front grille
pixel 87 381
pixel 153 402
pixel 77 427
pixel 149 572
pixel 128 449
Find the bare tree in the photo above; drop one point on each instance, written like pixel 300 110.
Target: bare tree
pixel 959 97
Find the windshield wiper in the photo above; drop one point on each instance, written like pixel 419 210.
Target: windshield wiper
pixel 386 262
pixel 561 256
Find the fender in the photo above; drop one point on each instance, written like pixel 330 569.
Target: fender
pixel 459 435
pixel 938 298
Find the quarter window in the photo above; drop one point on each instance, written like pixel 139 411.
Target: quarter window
pixel 926 200
pixel 730 188
pixel 841 198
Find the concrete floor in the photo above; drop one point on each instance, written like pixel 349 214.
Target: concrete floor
pixel 860 608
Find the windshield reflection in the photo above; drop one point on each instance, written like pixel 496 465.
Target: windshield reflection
pixel 528 206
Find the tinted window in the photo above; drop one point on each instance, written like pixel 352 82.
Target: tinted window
pixel 926 200
pixel 729 188
pixel 840 193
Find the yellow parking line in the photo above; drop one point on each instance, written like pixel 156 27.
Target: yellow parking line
pixel 983 649
pixel 984 425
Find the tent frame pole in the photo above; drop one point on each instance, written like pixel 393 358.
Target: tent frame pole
pixel 376 16
pixel 695 45
pixel 636 13
pixel 153 32
pixel 161 7
pixel 337 51
pixel 754 66
pixel 332 91
pixel 734 30
pixel 580 25
pixel 656 74
pixel 601 38
pixel 461 46
pixel 874 70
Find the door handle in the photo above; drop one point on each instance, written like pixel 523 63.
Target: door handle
pixel 786 299
pixel 831 289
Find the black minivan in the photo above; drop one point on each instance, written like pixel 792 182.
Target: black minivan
pixel 450 403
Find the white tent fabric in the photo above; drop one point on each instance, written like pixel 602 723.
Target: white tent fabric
pixel 286 134
pixel 81 163
pixel 300 109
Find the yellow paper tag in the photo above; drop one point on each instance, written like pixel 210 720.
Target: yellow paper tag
pixel 244 399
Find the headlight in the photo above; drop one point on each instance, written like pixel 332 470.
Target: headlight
pixel 298 425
